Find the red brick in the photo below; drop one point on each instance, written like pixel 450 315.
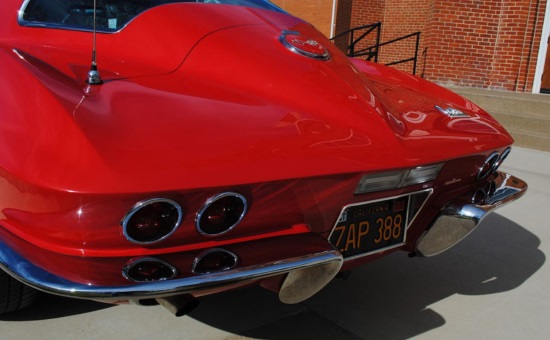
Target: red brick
pixel 478 43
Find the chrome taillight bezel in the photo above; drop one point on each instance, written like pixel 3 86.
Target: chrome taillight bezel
pixel 126 271
pixel 143 204
pixel 492 163
pixel 489 166
pixel 213 200
pixel 502 158
pixel 210 252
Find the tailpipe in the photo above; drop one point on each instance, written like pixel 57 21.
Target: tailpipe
pixel 179 305
pixel 302 284
pixel 461 216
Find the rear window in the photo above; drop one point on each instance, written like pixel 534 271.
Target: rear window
pixel 111 15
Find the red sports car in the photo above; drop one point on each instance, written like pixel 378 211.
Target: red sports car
pixel 156 151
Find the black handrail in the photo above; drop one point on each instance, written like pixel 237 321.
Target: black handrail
pixel 414 59
pixel 373 51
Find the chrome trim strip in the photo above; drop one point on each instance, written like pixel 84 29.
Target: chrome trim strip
pixel 141 205
pixel 460 217
pixel 407 225
pixel 211 201
pixel 36 277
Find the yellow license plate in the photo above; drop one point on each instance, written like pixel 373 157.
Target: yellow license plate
pixel 367 228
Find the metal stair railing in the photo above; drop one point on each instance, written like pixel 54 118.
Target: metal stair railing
pixel 372 52
pixel 414 58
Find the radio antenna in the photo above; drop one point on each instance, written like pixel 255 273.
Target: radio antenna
pixel 94 78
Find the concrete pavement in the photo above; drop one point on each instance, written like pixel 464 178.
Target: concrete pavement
pixel 494 285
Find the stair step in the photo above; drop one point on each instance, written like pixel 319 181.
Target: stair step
pixel 524 123
pixel 511 102
pixel 518 106
pixel 525 115
pixel 531 141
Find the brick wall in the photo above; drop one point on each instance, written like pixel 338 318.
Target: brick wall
pixel 317 12
pixel 489 44
pixel 475 43
pixel 461 39
pixel 399 18
pixel 368 11
pixel 365 12
pixel 343 22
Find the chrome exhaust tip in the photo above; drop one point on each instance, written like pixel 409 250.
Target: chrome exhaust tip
pixel 302 284
pixel 179 305
pixel 460 217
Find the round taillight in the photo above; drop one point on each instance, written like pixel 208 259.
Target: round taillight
pixel 214 260
pixel 221 213
pixel 148 269
pixel 488 166
pixel 152 221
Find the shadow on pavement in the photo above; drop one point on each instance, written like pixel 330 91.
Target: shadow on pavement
pixel 52 307
pixel 386 299
pixel 390 298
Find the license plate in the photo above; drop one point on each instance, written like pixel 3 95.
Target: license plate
pixel 370 227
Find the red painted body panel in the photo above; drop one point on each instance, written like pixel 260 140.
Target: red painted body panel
pixel 300 118
pixel 212 103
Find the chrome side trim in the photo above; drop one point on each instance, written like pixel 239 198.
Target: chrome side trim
pixel 38 278
pixel 460 217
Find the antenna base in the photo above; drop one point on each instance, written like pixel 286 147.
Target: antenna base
pixel 94 78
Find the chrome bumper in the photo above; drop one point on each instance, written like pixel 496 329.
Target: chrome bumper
pixel 460 217
pixel 307 274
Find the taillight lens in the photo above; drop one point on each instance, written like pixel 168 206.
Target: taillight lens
pixel 397 179
pixel 214 260
pixel 148 270
pixel 221 213
pixel 152 221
